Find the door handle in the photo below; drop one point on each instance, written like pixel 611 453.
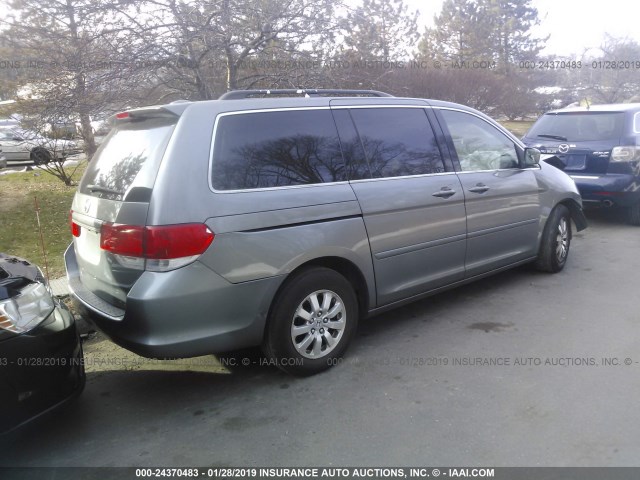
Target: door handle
pixel 444 192
pixel 479 188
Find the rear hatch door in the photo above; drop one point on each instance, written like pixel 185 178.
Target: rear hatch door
pixel 581 140
pixel 116 189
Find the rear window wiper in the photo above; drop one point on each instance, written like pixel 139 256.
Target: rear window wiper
pixel 555 137
pixel 98 188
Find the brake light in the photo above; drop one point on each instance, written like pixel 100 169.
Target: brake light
pixel 122 115
pixel 75 228
pixel 122 239
pixel 163 247
pixel 177 241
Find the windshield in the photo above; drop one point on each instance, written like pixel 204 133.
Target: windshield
pixel 578 126
pixel 125 151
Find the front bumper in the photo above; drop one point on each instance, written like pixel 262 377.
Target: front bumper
pixel 618 189
pixel 182 313
pixel 40 370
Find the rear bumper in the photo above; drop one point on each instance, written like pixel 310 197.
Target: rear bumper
pixel 614 189
pixel 44 368
pixel 186 312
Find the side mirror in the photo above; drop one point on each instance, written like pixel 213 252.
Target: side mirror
pixel 531 157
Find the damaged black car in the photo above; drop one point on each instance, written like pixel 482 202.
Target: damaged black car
pixel 41 359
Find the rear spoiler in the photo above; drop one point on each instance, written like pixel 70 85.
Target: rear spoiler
pixel 173 110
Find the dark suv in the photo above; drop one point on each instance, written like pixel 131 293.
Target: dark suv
pixel 599 147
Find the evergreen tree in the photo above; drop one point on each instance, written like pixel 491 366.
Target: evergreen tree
pixel 510 33
pixel 498 30
pixel 380 30
pixel 461 33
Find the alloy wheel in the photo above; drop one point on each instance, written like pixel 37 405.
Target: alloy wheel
pixel 318 324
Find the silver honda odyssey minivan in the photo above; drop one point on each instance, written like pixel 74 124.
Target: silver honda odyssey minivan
pixel 280 218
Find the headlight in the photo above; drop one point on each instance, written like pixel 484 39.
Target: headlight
pixel 26 310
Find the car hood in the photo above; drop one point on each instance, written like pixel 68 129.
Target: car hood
pixel 15 272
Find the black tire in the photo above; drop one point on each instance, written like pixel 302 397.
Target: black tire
pixel 40 156
pixel 556 241
pixel 633 214
pixel 320 283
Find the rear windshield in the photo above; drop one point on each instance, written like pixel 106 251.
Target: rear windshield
pixel 579 127
pixel 125 151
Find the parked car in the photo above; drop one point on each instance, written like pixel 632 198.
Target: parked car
pixel 599 147
pixel 9 122
pixel 203 227
pixel 19 145
pixel 41 362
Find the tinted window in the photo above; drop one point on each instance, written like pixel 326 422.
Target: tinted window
pixel 479 145
pixel 122 156
pixel 275 149
pixel 579 127
pixel 356 163
pixel 397 141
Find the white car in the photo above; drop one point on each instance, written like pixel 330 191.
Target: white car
pixel 20 145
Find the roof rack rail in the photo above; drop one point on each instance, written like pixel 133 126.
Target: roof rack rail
pixel 313 92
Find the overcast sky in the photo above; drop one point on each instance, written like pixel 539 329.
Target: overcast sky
pixel 573 25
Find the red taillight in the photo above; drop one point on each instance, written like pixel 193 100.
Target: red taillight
pixel 122 239
pixel 176 241
pixel 122 115
pixel 157 243
pixel 75 228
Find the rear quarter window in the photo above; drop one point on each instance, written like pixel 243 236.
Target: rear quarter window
pixel 276 149
pixel 127 149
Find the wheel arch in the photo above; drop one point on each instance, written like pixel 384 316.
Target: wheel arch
pixel 344 267
pixel 577 215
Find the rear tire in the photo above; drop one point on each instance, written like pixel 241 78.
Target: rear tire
pixel 555 242
pixel 312 322
pixel 40 156
pixel 633 214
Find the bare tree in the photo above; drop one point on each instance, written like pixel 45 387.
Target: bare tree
pixel 77 48
pixel 202 48
pixel 612 76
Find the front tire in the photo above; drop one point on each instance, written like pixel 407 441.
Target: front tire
pixel 312 322
pixel 556 241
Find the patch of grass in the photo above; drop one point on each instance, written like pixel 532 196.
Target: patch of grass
pixel 517 127
pixel 19 233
